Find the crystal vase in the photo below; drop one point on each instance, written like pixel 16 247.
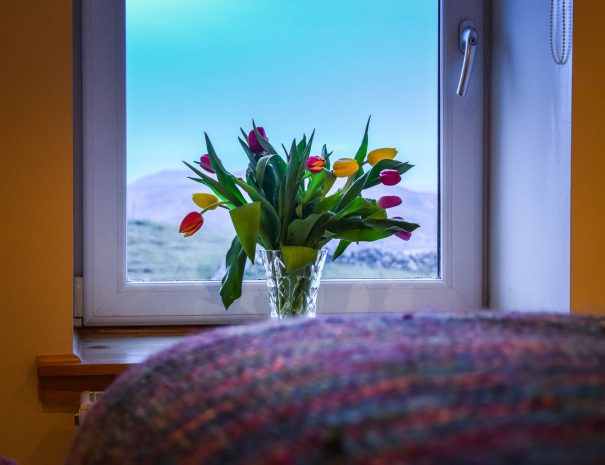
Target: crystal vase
pixel 292 293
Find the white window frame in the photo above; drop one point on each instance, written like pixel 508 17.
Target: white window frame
pixel 110 300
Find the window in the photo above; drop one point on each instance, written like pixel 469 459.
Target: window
pixel 158 74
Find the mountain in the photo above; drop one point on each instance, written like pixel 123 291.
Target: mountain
pixel 165 197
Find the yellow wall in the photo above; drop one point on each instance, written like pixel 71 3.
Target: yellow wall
pixel 36 220
pixel 588 159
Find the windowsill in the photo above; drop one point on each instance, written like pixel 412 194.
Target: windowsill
pixel 103 355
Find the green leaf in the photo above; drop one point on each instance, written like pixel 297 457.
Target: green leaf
pixel 270 223
pixel 264 143
pixel 359 206
pixel 328 203
pixel 392 225
pixel 299 231
pixel 231 284
pixel 329 181
pixel 246 221
pixel 222 175
pixel 363 235
pixel 296 257
pixel 270 171
pixel 216 187
pixel 251 155
pixel 342 246
pixel 361 154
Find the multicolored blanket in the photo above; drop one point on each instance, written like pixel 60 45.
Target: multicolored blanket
pixel 413 389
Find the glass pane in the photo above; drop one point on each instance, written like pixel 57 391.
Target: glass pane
pixel 214 65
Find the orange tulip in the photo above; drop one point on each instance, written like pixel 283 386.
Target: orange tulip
pixel 191 223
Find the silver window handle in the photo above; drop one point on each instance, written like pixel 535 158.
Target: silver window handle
pixel 469 41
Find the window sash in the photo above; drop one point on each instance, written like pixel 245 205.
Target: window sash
pixel 109 299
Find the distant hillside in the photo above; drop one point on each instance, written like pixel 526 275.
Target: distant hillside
pixel 156 252
pixel 165 198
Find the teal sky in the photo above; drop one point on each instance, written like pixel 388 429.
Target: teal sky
pixel 213 65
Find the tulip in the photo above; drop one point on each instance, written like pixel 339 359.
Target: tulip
pixel 191 223
pixel 253 142
pixel 204 201
pixel 405 235
pixel 206 164
pixel 316 163
pixel 389 201
pixel 345 167
pixel 381 154
pixel 390 177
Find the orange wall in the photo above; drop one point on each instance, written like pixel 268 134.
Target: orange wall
pixel 36 218
pixel 588 160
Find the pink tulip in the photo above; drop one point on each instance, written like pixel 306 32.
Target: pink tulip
pixel 253 142
pixel 390 177
pixel 405 235
pixel 206 164
pixel 389 201
pixel 316 163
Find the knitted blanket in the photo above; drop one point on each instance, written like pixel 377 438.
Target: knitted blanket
pixel 408 389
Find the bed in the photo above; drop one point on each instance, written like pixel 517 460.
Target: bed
pixel 416 388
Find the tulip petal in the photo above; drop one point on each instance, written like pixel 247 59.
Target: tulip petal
pixel 389 201
pixel 206 164
pixel 390 177
pixel 381 154
pixel 316 163
pixel 253 142
pixel 204 200
pixel 345 167
pixel 404 235
pixel 191 223
pixel 193 231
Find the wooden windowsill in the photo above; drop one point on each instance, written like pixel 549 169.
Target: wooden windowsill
pixel 103 354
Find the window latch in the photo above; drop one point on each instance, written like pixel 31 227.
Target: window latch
pixel 469 41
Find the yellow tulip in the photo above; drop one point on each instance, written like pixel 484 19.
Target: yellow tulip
pixel 345 167
pixel 204 200
pixel 381 154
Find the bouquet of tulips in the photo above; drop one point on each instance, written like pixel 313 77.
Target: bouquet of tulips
pixel 287 203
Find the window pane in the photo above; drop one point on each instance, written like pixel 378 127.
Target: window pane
pixel 212 66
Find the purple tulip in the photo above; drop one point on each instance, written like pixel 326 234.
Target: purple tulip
pixel 389 201
pixel 405 235
pixel 253 142
pixel 390 177
pixel 206 164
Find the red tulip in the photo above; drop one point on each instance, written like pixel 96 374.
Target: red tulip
pixel 389 201
pixel 405 235
pixel 206 164
pixel 253 142
pixel 315 163
pixel 191 223
pixel 390 177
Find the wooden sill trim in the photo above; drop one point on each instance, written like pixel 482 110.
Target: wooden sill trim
pixel 104 354
pixel 63 383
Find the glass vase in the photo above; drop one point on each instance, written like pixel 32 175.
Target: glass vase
pixel 292 293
